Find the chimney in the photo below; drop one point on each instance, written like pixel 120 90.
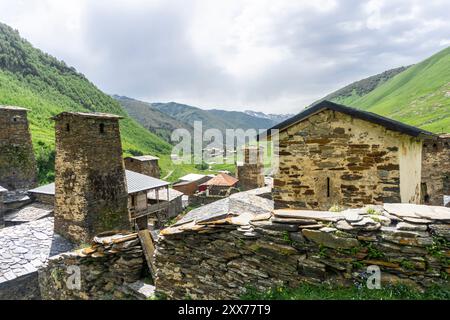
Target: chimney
pixel 90 184
pixel 17 162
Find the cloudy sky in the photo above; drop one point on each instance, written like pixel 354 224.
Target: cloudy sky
pixel 265 55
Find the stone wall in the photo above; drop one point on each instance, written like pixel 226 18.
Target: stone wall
pixel 147 167
pixel 44 198
pixel 219 259
pixel 436 170
pixel 107 268
pixel 333 159
pixel 251 172
pixel 17 161
pixel 2 206
pixel 25 287
pixel 90 186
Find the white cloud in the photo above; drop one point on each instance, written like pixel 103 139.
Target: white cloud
pixel 274 56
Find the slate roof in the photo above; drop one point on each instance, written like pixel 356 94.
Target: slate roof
pixel 135 182
pixel 357 113
pixel 234 205
pixel 87 115
pixel 25 247
pixel 13 108
pixel 31 212
pixel 221 179
pixel 143 158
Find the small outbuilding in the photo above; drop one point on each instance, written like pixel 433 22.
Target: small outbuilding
pixel 331 154
pixel 219 185
pixel 147 165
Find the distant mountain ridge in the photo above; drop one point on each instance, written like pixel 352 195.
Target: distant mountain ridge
pixel 161 118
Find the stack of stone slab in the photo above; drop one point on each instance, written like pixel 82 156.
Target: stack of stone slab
pixel 219 258
pixel 110 268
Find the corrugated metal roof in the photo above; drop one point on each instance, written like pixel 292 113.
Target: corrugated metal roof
pixel 192 177
pixel 135 181
pixel 139 182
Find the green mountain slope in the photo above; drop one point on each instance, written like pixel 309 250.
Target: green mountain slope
pixel 35 80
pixel 151 118
pixel 357 89
pixel 419 96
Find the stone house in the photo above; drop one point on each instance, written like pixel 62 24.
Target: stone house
pixel 436 170
pixel 17 161
pixel 331 154
pixel 147 165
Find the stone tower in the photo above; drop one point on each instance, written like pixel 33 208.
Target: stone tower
pixel 17 162
pixel 90 185
pixel 147 165
pixel 251 172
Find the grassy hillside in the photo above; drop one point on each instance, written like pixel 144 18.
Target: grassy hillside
pixel 357 89
pixel 151 118
pixel 35 80
pixel 419 96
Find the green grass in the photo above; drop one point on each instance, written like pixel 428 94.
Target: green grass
pixel 419 96
pixel 325 292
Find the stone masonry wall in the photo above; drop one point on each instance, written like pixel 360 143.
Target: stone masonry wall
pixel 436 170
pixel 251 172
pixel 333 159
pixel 220 259
pixel 148 167
pixel 106 267
pixel 2 206
pixel 17 162
pixel 90 187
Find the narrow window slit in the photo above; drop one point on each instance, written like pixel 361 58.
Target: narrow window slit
pixel 328 187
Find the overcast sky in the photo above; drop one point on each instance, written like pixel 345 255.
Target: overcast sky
pixel 271 56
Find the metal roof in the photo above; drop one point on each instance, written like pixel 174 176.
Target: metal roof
pixel 192 177
pixel 3 189
pixel 221 179
pixel 139 182
pixel 357 113
pixel 135 182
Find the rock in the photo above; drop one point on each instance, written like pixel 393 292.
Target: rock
pixel 276 226
pixel 410 226
pixel 327 229
pixel 330 240
pixel 363 222
pixel 296 237
pixel 294 221
pixel 310 226
pixel 308 214
pixel 442 230
pixel 352 215
pixel 418 211
pixel 417 220
pixel 385 221
pixel 344 225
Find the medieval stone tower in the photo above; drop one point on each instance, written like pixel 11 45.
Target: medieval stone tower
pixel 251 172
pixel 90 185
pixel 17 162
pixel 147 165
